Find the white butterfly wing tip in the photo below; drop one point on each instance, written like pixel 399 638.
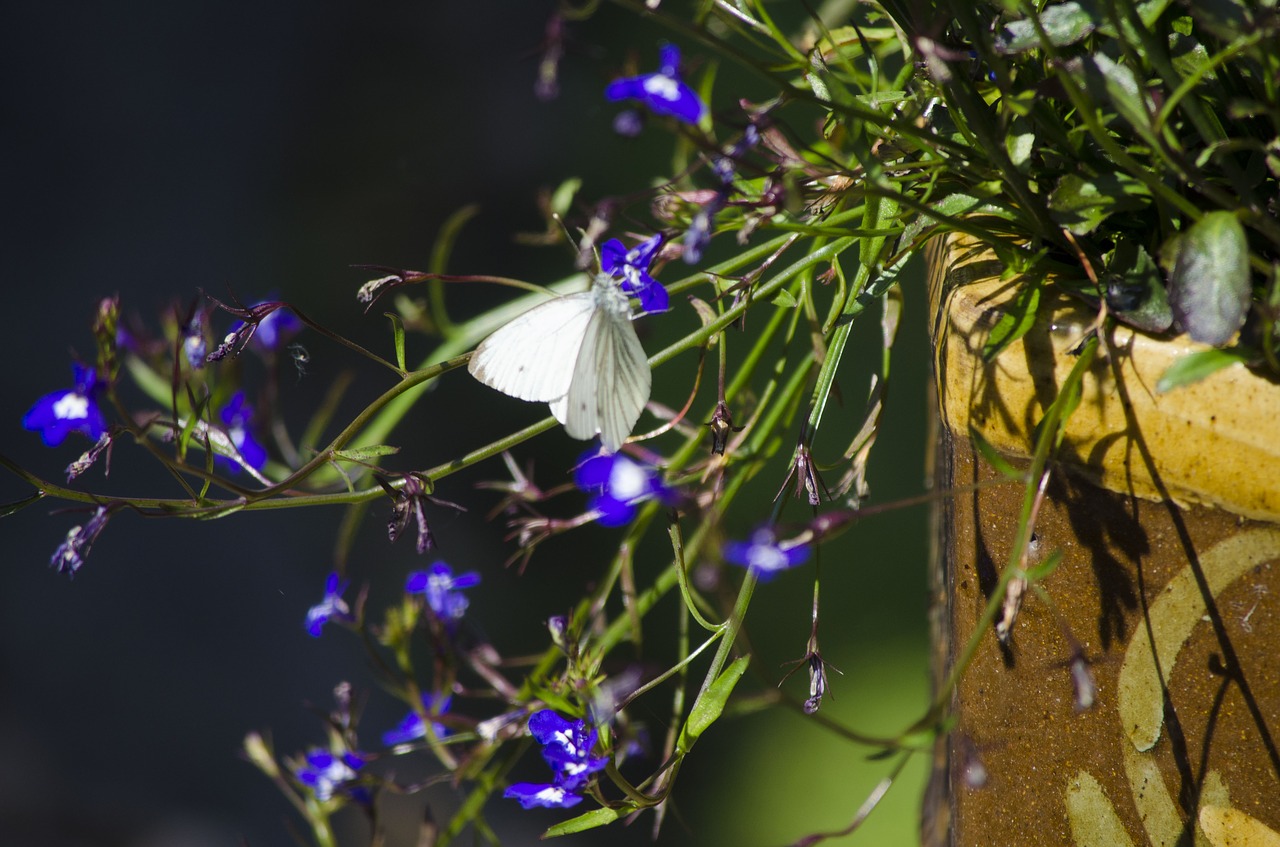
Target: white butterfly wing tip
pixel 533 357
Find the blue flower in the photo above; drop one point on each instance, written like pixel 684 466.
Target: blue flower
pixel 566 747
pixel 764 554
pixel 326 774
pixel 237 415
pixel 620 485
pixel 73 410
pixel 412 728
pixel 632 267
pixel 441 588
pixel 332 606
pixel 663 92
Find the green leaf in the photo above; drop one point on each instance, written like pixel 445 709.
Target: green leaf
pixel 1148 12
pixel 364 454
pixel 1080 204
pixel 1109 83
pixel 591 820
pixel 1209 287
pixel 1189 56
pixel 397 332
pixel 1014 323
pixel 993 457
pixel 1135 290
pixel 1194 367
pixel 784 299
pixel 562 198
pixel 1064 24
pixel 1019 143
pixel 1226 19
pixel 1048 566
pixel 710 704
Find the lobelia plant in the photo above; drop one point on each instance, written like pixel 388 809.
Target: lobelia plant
pixel 1131 150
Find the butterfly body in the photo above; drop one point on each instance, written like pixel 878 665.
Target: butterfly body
pixel 580 354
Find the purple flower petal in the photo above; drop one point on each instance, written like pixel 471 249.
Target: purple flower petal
pixel 330 607
pixel 566 747
pixel 412 728
pixel 326 774
pixel 664 93
pixel 441 587
pixel 532 794
pixel 57 415
pixel 632 267
pixel 764 554
pixel 237 415
pixel 618 485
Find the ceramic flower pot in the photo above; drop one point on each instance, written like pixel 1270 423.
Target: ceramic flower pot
pixel 1164 507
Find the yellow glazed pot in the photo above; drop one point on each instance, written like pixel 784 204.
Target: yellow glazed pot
pixel 1168 593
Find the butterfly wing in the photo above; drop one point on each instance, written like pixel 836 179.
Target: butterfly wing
pixel 611 382
pixel 535 356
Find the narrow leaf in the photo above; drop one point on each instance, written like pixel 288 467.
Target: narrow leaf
pixel 784 299
pixel 711 704
pixel 397 332
pixel 562 197
pixel 1014 323
pixel 1048 566
pixel 1194 367
pixel 591 820
pixel 364 454
pixel 7 509
pixel 993 457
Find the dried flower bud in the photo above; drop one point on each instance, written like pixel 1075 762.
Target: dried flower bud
pixel 372 289
pixel 89 456
pixel 817 683
pixel 257 751
pixel 1009 611
pixel 71 554
pixel 721 425
pixel 408 503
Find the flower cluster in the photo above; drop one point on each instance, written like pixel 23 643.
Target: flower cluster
pixel 618 485
pixel 566 747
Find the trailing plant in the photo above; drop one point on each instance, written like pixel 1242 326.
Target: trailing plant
pixel 1127 152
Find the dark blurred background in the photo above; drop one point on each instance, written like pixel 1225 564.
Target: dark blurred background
pixel 151 150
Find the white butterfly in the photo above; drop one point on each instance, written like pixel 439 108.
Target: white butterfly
pixel 579 353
